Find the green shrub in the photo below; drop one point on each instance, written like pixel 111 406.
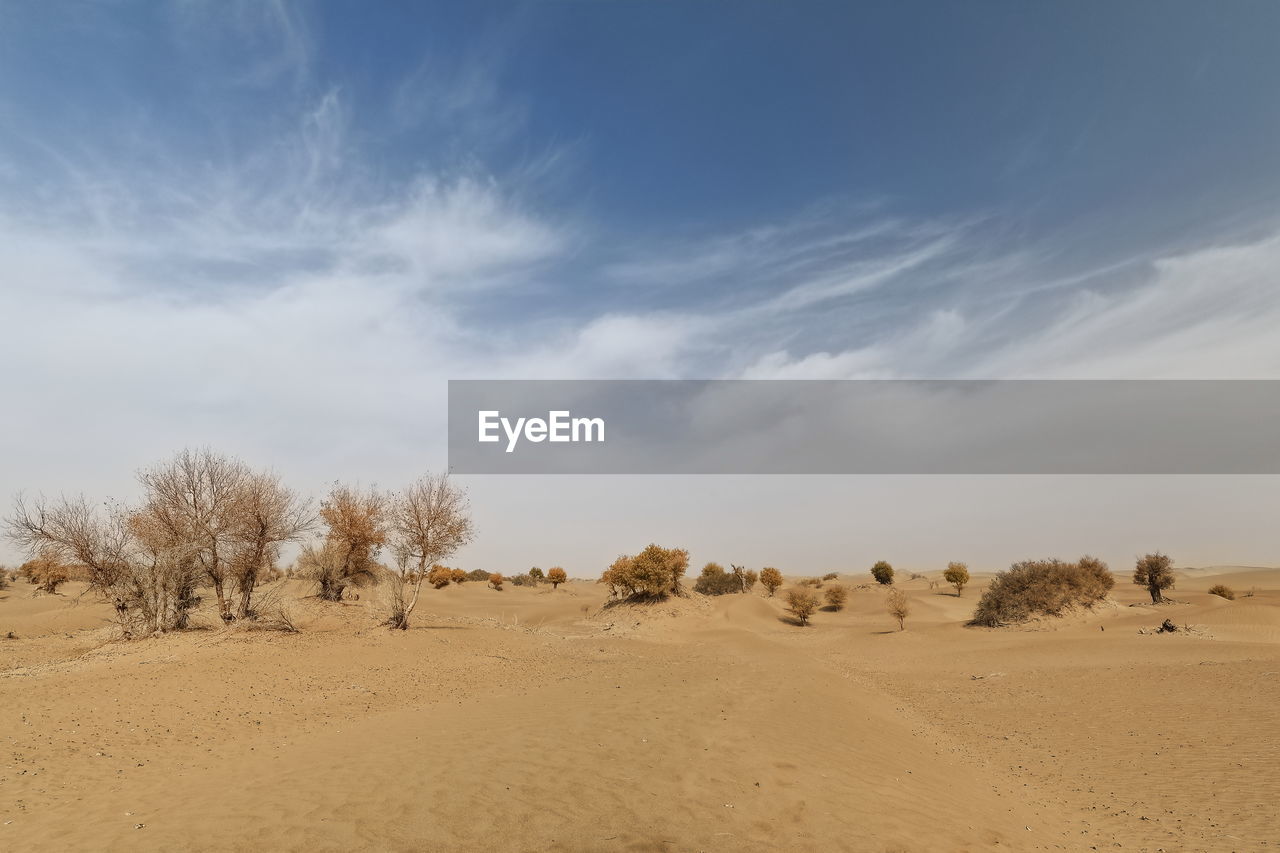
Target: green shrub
pixel 882 572
pixel 478 575
pixel 1042 587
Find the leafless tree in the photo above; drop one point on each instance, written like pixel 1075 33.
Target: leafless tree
pixel 898 605
pixel 193 499
pixel 133 558
pixel 430 521
pixel 268 514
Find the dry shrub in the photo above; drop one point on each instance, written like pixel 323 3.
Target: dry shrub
pixel 882 572
pixel 770 579
pixel 46 572
pixel 440 576
pixel 836 596
pixel 495 580
pixel 557 576
pixel 1155 572
pixel 746 577
pixel 957 574
pixel 457 575
pixel 898 606
pixel 714 580
pixel 801 603
pixel 1042 587
pixel 653 573
pixel 830 576
pixel 357 531
pixel 480 575
pixel 1223 591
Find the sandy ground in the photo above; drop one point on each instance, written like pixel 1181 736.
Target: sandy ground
pixel 533 720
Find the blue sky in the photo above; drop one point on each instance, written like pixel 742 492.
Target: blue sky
pixel 279 228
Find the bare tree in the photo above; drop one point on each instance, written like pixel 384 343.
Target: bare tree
pixel 268 514
pixel 357 531
pixel 193 499
pixel 430 521
pixel 133 558
pixel 898 605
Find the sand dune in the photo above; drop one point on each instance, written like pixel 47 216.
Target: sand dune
pixel 532 719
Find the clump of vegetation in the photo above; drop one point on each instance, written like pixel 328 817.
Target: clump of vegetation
pixel 1223 591
pixel 1155 572
pixel 801 603
pixel 882 572
pixel 496 580
pixel 830 576
pixel 898 606
pixel 1042 587
pixel 457 575
pixel 714 580
pixel 557 576
pixel 747 578
pixel 770 579
pixel 836 596
pixel 357 531
pixel 46 572
pixel 440 576
pixel 957 574
pixel 480 575
pixel 653 573
pixel 536 574
pixel 523 580
pixel 203 517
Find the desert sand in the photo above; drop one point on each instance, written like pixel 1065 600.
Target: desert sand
pixel 533 719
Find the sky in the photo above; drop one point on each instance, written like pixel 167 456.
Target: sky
pixel 278 229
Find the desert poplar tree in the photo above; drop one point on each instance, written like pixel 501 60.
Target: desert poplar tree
pixel 193 499
pixel 957 574
pixel 268 514
pixel 429 521
pixel 1155 572
pixel 356 522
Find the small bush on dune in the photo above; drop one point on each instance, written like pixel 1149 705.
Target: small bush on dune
pixel 440 576
pixel 801 603
pixel 1223 591
pixel 457 575
pixel 1042 587
pixel 957 574
pixel 536 574
pixel 557 576
pixel 899 607
pixel 746 577
pixel 836 596
pixel 1155 572
pixel 522 580
pixel 882 572
pixel 653 573
pixel 770 579
pixel 496 580
pixel 478 575
pixel 830 576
